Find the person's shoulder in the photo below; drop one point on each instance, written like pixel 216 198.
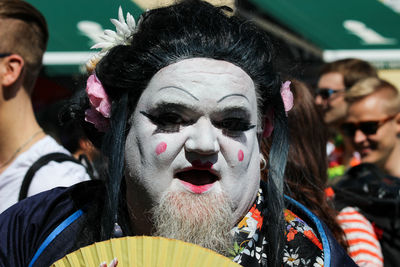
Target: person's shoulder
pixel 44 146
pixel 40 148
pixel 350 218
pixel 296 225
pixel 302 241
pixel 311 238
pixel 361 174
pixel 360 234
pixel 54 174
pixel 41 204
pixel 27 224
pixel 369 182
pixel 49 144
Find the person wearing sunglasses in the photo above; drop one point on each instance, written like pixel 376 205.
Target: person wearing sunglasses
pixel 335 78
pixel 373 126
pixel 373 123
pixel 366 127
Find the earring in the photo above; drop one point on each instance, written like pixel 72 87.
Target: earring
pixel 117 231
pixel 263 162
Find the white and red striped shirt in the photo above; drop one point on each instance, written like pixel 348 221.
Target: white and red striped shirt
pixel 364 247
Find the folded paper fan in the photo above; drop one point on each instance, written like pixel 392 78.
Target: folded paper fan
pixel 144 251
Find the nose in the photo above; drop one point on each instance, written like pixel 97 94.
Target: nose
pixel 318 100
pixel 203 138
pixel 359 137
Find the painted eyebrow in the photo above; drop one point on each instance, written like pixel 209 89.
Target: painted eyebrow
pixel 163 107
pixel 178 88
pixel 235 110
pixel 231 95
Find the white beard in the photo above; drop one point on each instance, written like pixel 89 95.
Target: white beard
pixel 204 219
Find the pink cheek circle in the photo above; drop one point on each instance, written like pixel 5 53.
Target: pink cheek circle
pixel 240 155
pixel 161 147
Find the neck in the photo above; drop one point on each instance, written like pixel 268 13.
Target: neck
pixel 17 126
pixel 392 166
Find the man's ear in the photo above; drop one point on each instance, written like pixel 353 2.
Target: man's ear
pixel 12 67
pixel 268 123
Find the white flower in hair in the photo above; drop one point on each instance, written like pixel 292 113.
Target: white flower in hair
pixel 122 36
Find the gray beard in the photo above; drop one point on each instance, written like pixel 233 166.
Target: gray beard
pixel 203 219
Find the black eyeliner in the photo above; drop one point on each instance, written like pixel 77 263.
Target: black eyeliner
pixel 168 107
pixel 152 118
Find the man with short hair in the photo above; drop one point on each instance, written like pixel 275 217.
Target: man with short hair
pixel 373 123
pixel 23 39
pixel 373 187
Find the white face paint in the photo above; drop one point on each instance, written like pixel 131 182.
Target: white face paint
pixel 194 130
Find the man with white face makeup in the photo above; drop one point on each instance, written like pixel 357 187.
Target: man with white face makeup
pixel 178 107
pixel 196 132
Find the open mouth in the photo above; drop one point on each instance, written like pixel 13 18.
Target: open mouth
pixel 197 181
pixel 197 177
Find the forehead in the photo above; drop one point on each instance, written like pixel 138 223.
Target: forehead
pixel 332 80
pixel 200 76
pixel 205 66
pixel 368 108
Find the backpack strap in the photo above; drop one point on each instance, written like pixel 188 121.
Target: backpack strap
pixel 58 157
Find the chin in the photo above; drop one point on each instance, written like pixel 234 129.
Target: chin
pixel 370 159
pixel 366 159
pixel 202 219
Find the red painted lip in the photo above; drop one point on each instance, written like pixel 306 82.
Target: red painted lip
pixel 197 189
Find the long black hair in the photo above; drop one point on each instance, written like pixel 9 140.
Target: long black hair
pixel 189 29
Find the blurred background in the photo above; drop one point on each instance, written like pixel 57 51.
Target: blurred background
pixel 306 34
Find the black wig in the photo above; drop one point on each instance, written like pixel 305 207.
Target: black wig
pixel 189 29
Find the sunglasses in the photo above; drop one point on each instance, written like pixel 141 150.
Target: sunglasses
pixel 367 127
pixel 4 54
pixel 326 93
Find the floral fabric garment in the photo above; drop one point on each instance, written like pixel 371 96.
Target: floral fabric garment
pixel 302 247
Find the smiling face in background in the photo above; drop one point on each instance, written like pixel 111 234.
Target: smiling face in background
pixel 378 147
pixel 194 131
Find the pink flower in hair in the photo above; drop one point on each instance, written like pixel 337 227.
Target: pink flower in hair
pixel 287 96
pixel 97 96
pixel 100 106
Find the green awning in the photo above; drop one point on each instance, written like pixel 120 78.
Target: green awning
pixel 335 29
pixel 331 29
pixel 74 26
